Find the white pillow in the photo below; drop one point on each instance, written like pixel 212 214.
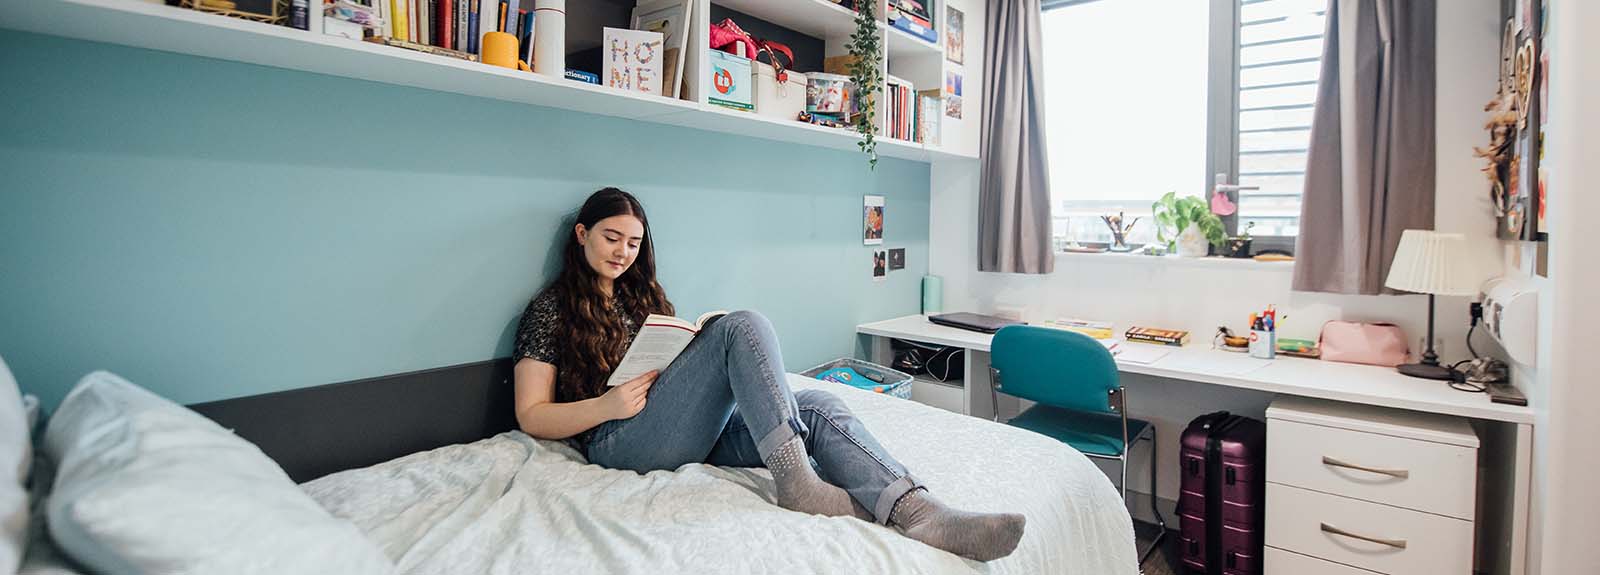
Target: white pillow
pixel 144 485
pixel 16 455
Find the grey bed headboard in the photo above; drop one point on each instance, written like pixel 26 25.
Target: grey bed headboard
pixel 314 431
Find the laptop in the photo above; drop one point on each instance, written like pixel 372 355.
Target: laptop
pixel 973 321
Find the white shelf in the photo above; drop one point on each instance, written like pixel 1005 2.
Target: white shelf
pixel 720 119
pixel 815 18
pixel 171 29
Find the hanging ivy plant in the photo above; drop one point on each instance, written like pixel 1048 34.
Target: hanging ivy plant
pixel 867 75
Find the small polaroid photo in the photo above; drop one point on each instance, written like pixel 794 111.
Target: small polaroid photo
pixel 897 259
pixel 872 221
pixel 880 265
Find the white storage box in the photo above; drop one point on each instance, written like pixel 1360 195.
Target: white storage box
pixel 783 100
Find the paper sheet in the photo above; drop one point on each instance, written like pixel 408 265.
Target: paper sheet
pixel 1140 353
pixel 1214 362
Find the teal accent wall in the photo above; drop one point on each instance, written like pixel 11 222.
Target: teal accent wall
pixel 211 229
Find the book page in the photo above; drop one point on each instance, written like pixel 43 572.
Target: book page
pixel 659 342
pixel 705 318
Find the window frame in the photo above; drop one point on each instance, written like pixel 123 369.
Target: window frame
pixel 1222 111
pixel 1222 123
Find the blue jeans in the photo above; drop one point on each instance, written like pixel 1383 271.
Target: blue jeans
pixel 725 401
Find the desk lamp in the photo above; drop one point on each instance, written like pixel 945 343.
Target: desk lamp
pixel 1432 263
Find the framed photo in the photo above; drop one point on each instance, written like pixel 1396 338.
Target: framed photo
pixel 872 220
pixel 880 265
pixel 897 259
pixel 670 18
pixel 955 35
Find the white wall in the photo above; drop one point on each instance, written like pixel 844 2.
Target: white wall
pixel 1200 295
pixel 1566 461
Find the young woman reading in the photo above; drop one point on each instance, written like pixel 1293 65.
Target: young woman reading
pixel 723 401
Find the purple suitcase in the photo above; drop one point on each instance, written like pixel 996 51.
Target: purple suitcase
pixel 1222 503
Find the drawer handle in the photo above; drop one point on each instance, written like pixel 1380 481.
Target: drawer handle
pixel 1395 543
pixel 1331 462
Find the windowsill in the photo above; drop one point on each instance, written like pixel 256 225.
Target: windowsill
pixel 1171 260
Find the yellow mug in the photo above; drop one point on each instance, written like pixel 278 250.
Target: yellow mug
pixel 500 49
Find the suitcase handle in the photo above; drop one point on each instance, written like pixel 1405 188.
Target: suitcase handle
pixel 1397 473
pixel 1395 543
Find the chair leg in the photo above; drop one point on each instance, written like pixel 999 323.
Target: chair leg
pixel 1161 523
pixel 1122 480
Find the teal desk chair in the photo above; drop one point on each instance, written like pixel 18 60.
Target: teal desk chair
pixel 1073 381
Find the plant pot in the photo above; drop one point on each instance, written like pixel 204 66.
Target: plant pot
pixel 1238 248
pixel 1192 243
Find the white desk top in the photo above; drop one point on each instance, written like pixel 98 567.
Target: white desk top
pixel 1364 384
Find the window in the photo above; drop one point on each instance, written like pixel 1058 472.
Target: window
pixel 1147 97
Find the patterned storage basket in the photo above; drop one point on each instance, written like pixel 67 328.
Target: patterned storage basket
pixel 863 375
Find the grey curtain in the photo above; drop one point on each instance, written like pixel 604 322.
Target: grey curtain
pixel 1370 173
pixel 1014 196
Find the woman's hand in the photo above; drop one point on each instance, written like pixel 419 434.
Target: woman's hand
pixel 627 400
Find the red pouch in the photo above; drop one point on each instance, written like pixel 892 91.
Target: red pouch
pixel 726 35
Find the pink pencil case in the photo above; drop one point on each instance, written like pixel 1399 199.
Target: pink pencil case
pixel 1368 343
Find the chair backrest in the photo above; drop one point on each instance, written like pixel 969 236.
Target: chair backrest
pixel 1054 367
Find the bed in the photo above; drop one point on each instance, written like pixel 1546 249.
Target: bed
pixel 509 503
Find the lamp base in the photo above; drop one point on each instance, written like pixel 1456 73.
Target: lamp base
pixel 1426 371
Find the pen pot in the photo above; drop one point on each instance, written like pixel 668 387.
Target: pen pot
pixel 1263 344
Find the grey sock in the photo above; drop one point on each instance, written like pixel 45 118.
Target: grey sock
pixel 799 487
pixel 981 536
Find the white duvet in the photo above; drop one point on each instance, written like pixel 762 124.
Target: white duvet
pixel 513 504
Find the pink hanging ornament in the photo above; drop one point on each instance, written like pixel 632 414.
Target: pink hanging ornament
pixel 1221 205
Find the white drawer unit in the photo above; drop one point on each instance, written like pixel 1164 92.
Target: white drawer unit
pixel 1291 563
pixel 1367 535
pixel 1362 489
pixel 1420 475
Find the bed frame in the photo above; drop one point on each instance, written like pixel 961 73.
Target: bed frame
pixel 314 431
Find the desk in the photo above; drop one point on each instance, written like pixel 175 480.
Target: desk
pixel 1363 384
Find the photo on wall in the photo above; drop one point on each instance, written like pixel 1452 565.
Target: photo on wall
pixel 880 265
pixel 955 35
pixel 897 259
pixel 952 94
pixel 872 220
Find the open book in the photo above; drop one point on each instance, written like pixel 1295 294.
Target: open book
pixel 660 340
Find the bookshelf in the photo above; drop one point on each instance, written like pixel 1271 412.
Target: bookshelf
pixel 171 29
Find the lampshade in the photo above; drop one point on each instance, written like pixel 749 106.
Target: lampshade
pixel 1432 262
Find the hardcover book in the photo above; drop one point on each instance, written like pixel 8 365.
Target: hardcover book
pixel 1154 335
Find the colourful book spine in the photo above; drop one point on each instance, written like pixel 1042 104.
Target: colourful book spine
pixel 463 28
pixel 500 23
pixel 447 24
pixel 425 27
pixel 472 26
pixel 527 39
pixel 524 34
pixel 401 24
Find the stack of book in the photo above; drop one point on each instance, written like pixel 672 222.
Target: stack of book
pixel 900 117
pixel 914 17
pixel 1171 337
pixel 1091 328
pixel 449 27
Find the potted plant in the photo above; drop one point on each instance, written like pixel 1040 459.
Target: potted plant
pixel 1239 246
pixel 1191 223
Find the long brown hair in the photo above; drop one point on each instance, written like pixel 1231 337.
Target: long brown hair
pixel 591 339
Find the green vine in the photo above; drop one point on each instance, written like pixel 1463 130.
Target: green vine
pixel 867 75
